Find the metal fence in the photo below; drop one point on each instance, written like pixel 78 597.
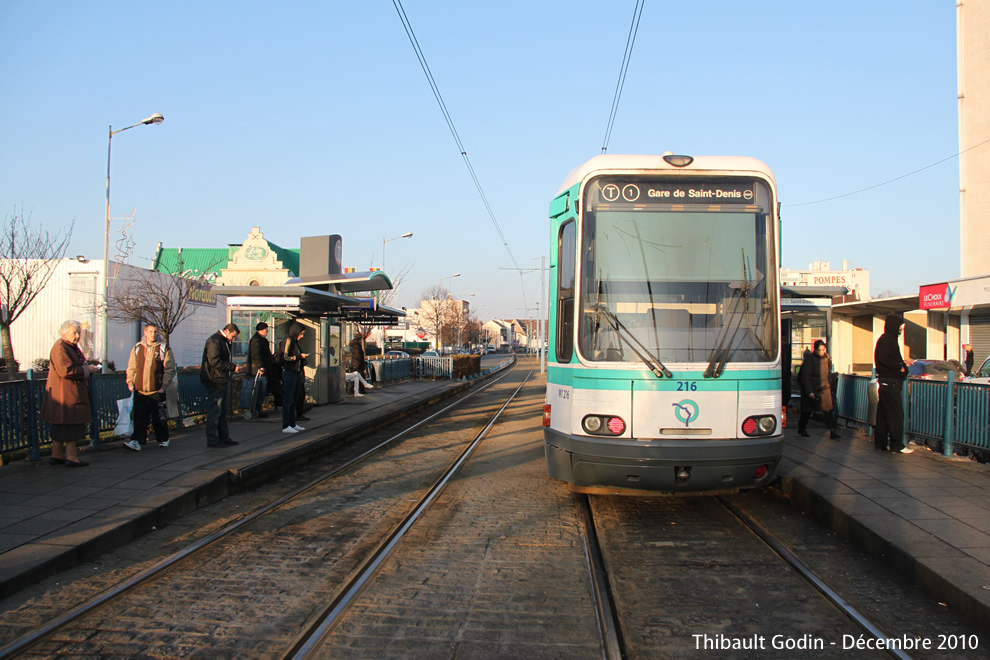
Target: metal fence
pixel 946 415
pixel 391 370
pixel 434 367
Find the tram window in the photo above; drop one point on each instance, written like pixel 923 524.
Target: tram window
pixel 566 244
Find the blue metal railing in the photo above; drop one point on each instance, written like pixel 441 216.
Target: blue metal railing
pixel 927 417
pixel 852 398
pixel 391 370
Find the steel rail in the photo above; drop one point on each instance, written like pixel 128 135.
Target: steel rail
pixel 608 619
pixel 831 594
pixel 28 640
pixel 326 621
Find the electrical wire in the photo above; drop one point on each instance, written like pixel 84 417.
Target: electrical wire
pixel 450 124
pixel 903 176
pixel 626 58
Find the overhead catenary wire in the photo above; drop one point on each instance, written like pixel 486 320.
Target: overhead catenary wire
pixel 898 178
pixel 450 124
pixel 626 58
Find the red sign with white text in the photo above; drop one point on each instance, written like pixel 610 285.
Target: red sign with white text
pixel 934 296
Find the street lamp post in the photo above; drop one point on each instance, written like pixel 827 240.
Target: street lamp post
pixel 153 119
pixel 408 234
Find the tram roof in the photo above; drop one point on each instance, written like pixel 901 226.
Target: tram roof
pixel 622 162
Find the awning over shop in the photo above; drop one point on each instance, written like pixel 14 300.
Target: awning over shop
pixel 878 306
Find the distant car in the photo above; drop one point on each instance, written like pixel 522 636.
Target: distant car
pixel 396 354
pixel 982 375
pixel 936 369
pixel 430 354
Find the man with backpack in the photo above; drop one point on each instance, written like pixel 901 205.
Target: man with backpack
pixel 150 369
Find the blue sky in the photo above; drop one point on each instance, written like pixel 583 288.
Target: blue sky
pixel 311 118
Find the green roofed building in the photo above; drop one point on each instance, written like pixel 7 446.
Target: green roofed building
pixel 256 261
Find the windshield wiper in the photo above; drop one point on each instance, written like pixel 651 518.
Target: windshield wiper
pixel 650 360
pixel 720 355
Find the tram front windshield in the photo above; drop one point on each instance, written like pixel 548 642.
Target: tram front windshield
pixel 687 282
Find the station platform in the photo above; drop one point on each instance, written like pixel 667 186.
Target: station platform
pixel 925 515
pixel 53 517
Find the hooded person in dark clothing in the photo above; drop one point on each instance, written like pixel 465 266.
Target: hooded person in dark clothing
pixel 292 359
pixel 816 389
pixel 891 372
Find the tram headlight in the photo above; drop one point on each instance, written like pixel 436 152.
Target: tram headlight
pixel 603 425
pixel 759 425
pixel 678 161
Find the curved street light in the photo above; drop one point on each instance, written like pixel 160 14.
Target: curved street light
pixel 156 118
pixel 408 234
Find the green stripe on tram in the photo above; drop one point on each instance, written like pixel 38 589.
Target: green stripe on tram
pixel 619 380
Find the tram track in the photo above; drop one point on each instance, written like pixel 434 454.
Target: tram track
pixel 308 642
pixel 213 543
pixel 620 602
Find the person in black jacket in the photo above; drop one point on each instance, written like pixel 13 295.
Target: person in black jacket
pixel 816 389
pixel 214 372
pixel 260 364
pixel 292 360
pixel 891 372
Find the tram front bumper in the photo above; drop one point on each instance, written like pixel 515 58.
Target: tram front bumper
pixel 604 464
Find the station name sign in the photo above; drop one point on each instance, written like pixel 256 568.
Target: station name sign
pixel 678 192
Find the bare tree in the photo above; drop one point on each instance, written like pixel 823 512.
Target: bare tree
pixel 28 258
pixel 161 299
pixel 435 311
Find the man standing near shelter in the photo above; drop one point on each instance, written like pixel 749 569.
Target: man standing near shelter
pixel 150 369
pixel 891 372
pixel 260 364
pixel 214 372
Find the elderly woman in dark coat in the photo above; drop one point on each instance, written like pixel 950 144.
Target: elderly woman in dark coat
pixel 816 392
pixel 66 405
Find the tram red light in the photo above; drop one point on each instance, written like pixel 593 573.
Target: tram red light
pixel 759 425
pixel 616 425
pixel 760 472
pixel 546 414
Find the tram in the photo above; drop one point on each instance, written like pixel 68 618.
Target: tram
pixel 663 363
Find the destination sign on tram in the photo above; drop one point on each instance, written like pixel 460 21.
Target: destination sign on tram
pixel 680 192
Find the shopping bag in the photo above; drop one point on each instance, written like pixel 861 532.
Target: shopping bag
pixel 172 398
pixel 125 423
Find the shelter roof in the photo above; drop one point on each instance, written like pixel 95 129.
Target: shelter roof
pixel 348 282
pixel 311 302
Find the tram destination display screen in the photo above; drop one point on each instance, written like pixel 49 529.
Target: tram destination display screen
pixel 619 191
